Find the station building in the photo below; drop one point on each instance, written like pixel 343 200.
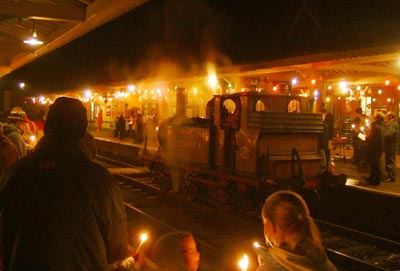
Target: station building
pixel 339 82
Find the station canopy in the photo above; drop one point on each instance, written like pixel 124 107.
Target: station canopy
pixel 306 39
pixel 55 22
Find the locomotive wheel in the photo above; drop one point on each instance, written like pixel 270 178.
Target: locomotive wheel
pixel 190 188
pixel 231 193
pixel 156 170
pixel 164 182
pixel 216 194
pixel 219 192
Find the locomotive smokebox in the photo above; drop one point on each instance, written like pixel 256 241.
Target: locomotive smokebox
pixel 180 102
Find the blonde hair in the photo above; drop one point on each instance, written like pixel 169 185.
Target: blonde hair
pixel 289 211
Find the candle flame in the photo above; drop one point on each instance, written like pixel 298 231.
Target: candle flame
pixel 244 263
pixel 257 245
pixel 143 237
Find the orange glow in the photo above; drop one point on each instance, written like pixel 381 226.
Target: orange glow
pixel 244 263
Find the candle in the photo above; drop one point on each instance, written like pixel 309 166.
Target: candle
pixel 257 245
pixel 143 238
pixel 244 263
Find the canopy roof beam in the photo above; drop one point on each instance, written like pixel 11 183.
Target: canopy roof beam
pixel 42 11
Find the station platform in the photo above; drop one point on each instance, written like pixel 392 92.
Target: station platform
pixel 355 175
pixel 108 135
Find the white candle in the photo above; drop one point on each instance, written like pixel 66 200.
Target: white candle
pixel 143 238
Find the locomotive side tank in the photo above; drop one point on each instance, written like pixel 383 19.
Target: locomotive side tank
pixel 250 144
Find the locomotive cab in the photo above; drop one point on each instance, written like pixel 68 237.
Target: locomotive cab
pixel 262 130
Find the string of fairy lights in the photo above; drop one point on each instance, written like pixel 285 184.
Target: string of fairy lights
pixel 205 88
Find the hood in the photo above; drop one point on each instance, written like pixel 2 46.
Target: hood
pixel 11 128
pixel 315 260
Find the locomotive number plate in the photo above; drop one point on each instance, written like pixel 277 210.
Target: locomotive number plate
pixel 244 152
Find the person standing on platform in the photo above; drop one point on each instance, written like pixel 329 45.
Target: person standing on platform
pixel 139 128
pixel 293 240
pixel 14 131
pixel 327 134
pixel 375 148
pixel 390 146
pixel 121 126
pixel 99 120
pixel 59 210
pixel 359 145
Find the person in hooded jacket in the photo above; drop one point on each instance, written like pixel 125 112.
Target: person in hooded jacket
pixel 14 131
pixel 293 240
pixel 60 211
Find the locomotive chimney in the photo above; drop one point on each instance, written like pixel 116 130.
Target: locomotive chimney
pixel 181 102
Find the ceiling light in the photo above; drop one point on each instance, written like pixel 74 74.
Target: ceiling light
pixel 33 40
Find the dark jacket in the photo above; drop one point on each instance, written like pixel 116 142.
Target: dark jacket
pixel 121 123
pixel 61 212
pixel 16 136
pixel 375 138
pixel 391 134
pixel 328 131
pixel 8 154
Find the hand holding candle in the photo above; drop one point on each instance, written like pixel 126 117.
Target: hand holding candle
pixel 244 263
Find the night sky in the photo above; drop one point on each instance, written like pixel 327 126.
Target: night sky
pixel 182 35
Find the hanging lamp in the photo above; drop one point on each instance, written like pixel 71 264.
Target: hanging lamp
pixel 33 40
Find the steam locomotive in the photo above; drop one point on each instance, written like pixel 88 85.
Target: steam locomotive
pixel 250 144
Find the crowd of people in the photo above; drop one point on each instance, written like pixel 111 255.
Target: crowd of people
pixel 382 139
pixel 132 127
pixel 372 140
pixel 13 144
pixel 60 210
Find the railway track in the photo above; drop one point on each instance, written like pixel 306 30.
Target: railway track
pixel 357 250
pixel 348 248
